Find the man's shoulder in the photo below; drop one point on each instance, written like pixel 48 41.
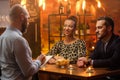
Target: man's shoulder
pixel 115 36
pixel 117 40
pixel 11 35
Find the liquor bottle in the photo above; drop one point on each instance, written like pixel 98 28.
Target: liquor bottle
pixel 87 29
pixel 68 10
pixel 81 29
pixel 61 9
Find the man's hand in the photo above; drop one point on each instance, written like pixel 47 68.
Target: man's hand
pixel 82 61
pixel 41 58
pixel 80 64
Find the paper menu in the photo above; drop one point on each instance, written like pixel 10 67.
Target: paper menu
pixel 47 59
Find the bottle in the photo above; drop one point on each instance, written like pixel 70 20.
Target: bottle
pixel 87 29
pixel 81 29
pixel 61 9
pixel 68 10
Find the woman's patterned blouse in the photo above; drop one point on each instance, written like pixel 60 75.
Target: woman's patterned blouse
pixel 69 51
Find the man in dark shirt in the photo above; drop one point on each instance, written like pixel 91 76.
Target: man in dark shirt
pixel 107 51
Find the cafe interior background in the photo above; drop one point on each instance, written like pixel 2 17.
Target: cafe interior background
pixel 47 18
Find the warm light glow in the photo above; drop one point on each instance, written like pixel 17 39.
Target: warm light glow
pixel 43 68
pixel 93 47
pixel 71 71
pixel 44 49
pixel 70 65
pixel 44 5
pixel 88 7
pixel 66 0
pixel 89 74
pixel 40 2
pixel 98 3
pixel 59 1
pixel 89 68
pixel 83 5
pixel 93 10
pixel 23 3
pixel 77 7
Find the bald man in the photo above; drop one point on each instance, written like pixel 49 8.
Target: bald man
pixel 15 54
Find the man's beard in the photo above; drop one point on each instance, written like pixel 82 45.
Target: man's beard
pixel 24 28
pixel 103 35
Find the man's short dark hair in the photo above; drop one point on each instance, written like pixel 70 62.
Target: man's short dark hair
pixel 108 21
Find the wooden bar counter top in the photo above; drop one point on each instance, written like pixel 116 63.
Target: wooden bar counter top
pixel 75 72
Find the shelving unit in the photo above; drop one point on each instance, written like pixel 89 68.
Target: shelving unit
pixel 55 22
pixel 87 33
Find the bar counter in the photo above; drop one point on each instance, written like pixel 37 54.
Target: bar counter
pixel 77 73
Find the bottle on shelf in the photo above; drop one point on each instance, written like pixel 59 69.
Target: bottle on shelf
pixel 61 9
pixel 81 27
pixel 87 29
pixel 68 9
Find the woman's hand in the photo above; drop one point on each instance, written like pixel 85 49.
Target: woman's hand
pixel 52 61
